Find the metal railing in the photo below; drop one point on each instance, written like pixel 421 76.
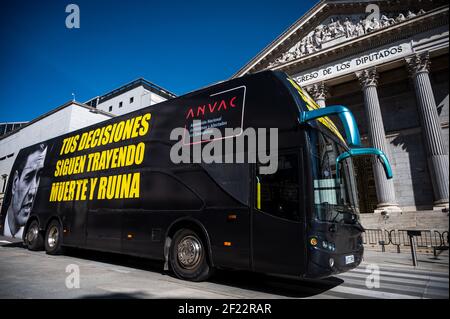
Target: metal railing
pixel 375 236
pixel 399 237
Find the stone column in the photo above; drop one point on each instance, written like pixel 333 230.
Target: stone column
pixel 437 156
pixel 377 137
pixel 319 93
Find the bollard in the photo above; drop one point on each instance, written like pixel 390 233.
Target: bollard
pixel 382 243
pixel 412 240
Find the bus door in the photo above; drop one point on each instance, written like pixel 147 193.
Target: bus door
pixel 277 223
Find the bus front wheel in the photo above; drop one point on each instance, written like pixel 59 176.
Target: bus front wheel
pixel 53 238
pixel 188 256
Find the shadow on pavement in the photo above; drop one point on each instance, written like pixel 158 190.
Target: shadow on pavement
pixel 270 284
pixel 13 245
pixel 282 286
pixel 432 260
pixel 116 259
pixel 134 295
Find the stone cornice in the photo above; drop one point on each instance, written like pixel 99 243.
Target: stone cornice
pixel 375 39
pixel 432 19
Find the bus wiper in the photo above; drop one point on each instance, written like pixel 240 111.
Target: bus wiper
pixel 355 222
pixel 344 209
pixel 338 213
pixel 338 209
pixel 335 216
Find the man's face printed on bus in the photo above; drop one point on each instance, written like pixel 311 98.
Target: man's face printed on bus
pixel 25 186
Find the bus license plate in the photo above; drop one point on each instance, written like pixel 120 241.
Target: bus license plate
pixel 349 259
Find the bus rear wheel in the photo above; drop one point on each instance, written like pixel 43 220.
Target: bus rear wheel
pixel 33 238
pixel 53 238
pixel 188 256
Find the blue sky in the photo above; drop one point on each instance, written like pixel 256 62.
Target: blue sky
pixel 179 45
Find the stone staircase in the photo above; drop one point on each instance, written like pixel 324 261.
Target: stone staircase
pixel 404 249
pixel 424 219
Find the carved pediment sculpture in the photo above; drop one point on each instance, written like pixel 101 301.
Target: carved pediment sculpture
pixel 339 29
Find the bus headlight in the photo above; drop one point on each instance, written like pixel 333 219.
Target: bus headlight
pixel 331 261
pixel 325 244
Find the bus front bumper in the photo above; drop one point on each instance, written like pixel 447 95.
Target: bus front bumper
pixel 324 264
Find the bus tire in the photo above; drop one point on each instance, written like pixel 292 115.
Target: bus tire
pixel 53 238
pixel 188 256
pixel 34 240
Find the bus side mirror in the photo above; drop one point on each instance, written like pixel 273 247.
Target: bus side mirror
pixel 346 117
pixel 366 151
pixel 258 193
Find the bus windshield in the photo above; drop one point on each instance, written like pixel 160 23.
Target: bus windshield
pixel 334 198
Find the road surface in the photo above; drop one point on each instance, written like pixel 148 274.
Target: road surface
pixel 27 274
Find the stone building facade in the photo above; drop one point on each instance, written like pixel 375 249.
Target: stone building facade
pixel 388 62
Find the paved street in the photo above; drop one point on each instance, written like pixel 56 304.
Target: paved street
pixel 26 274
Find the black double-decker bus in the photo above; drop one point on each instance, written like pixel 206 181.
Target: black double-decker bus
pixel 116 187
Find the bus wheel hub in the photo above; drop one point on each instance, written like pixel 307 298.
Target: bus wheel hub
pixel 32 233
pixel 53 237
pixel 189 252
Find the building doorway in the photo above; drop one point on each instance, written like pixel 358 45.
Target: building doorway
pixel 367 194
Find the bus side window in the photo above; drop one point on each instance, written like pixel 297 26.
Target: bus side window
pixel 279 192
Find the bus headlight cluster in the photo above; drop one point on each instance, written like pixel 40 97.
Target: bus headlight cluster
pixel 319 243
pixel 329 246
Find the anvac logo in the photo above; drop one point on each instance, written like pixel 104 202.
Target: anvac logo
pixel 221 110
